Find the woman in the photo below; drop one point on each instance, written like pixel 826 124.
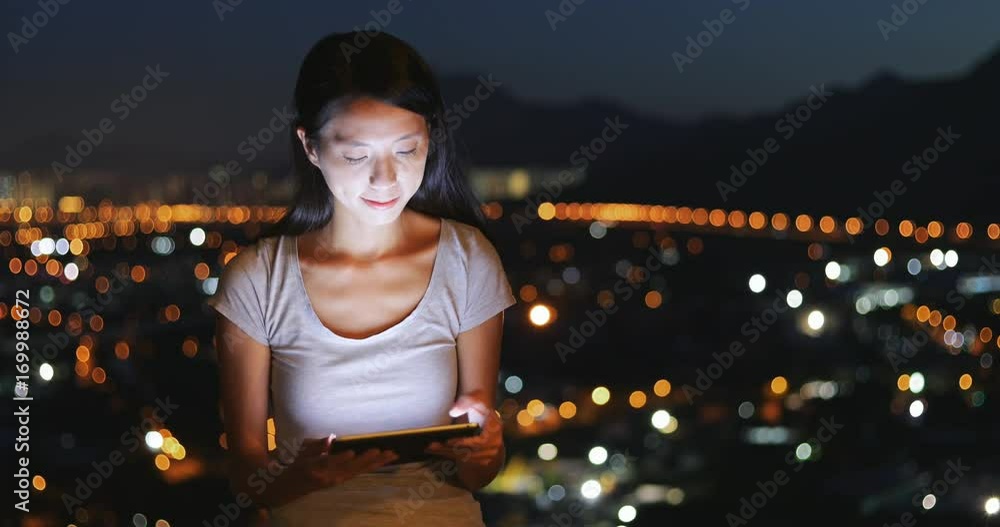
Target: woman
pixel 376 304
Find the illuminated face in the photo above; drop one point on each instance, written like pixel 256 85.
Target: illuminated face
pixel 372 156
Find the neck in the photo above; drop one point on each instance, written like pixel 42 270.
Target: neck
pixel 347 235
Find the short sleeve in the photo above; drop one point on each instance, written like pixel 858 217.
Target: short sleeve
pixel 239 296
pixel 488 290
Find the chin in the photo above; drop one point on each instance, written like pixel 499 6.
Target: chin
pixel 378 217
pixel 382 218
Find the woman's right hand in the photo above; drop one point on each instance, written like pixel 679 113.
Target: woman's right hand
pixel 319 469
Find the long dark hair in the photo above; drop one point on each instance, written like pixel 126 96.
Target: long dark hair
pixel 342 68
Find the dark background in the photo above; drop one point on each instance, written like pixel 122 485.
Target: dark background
pixel 229 69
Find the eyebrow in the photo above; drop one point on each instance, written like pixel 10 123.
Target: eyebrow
pixel 340 139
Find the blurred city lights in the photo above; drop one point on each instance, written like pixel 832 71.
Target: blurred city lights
pixel 815 320
pixel 513 384
pixel 793 298
pixel 832 270
pixel 197 236
pixel 882 256
pixel 757 283
pixel 540 315
pixel 556 492
pixel 597 455
pixel 660 419
pixel 779 385
pixel 662 388
pixel 567 410
pixel 937 258
pixel 154 440
pixel 590 489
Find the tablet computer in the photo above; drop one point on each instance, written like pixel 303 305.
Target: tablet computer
pixel 409 443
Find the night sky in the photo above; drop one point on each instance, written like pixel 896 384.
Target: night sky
pixel 226 76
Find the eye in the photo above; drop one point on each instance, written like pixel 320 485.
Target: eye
pixel 408 152
pixel 355 160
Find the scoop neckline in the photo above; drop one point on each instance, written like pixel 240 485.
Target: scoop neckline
pixel 428 292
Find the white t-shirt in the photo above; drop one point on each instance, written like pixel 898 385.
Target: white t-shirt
pixel 405 376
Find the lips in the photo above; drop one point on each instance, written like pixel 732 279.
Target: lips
pixel 380 204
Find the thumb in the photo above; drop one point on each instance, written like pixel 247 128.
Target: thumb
pixel 461 406
pixel 320 446
pixel 468 404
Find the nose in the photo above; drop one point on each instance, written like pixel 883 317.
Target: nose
pixel 383 174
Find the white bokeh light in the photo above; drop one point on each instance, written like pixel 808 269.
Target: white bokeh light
pixel 597 455
pixel 757 283
pixel 513 384
pixel 816 320
pixel 154 439
pixel 547 452
pixel 590 489
pixel 881 256
pixel 197 236
pixel 793 298
pixel 661 418
pixel 951 258
pixel 626 513
pixel 832 270
pixel 71 271
pixel 937 258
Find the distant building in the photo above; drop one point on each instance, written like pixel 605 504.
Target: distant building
pixel 514 183
pixel 24 186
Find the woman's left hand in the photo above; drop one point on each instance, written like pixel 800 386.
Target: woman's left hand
pixel 481 449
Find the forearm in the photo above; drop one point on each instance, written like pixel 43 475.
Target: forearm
pixel 264 479
pixel 474 476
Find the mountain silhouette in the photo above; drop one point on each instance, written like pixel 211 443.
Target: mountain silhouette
pixel 854 144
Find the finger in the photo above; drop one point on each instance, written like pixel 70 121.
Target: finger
pixel 387 457
pixel 466 403
pixel 342 457
pixel 316 447
pixel 382 459
pixel 363 460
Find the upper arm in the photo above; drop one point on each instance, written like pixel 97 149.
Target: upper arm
pixel 479 359
pixel 241 342
pixel 487 295
pixel 244 373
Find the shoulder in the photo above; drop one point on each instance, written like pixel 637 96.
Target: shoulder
pixel 470 239
pixel 476 250
pixel 254 259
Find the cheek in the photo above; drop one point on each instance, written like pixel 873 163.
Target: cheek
pixel 339 177
pixel 412 172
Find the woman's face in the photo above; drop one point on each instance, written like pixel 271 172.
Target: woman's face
pixel 372 156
